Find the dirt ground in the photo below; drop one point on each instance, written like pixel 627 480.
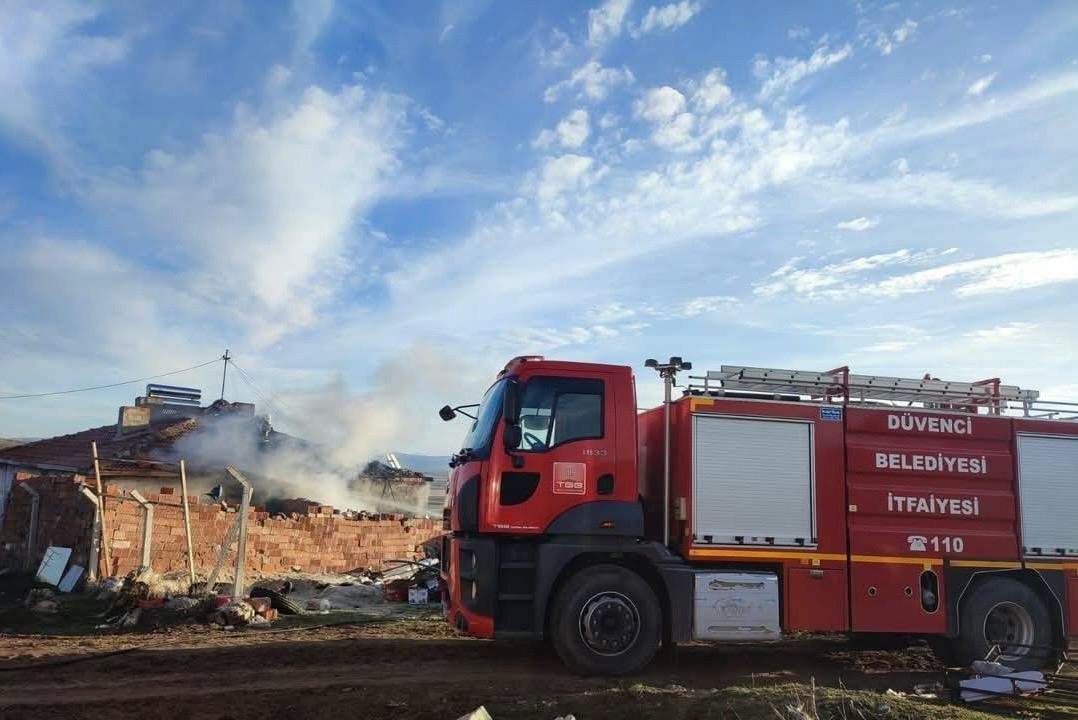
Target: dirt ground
pixel 412 666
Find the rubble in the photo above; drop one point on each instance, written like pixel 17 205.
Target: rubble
pixel 42 600
pixel 233 614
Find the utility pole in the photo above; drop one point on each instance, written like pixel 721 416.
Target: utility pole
pixel 224 372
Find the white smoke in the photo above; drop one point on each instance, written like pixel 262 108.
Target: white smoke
pixel 343 429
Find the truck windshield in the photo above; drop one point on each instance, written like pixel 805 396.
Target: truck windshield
pixel 482 430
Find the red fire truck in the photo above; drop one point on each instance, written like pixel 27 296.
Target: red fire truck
pixel 761 502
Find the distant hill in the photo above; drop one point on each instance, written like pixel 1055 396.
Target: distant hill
pixel 6 443
pixel 437 465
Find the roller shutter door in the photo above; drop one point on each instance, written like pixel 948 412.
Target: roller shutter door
pixel 752 478
pixel 1048 492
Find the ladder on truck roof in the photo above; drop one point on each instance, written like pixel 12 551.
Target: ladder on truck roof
pixel 840 385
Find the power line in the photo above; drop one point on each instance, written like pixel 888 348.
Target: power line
pixel 258 391
pixel 110 385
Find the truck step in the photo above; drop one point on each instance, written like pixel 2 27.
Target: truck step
pixel 515 597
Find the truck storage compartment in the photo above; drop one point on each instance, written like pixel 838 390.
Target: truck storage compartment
pixel 816 599
pixel 1048 490
pixel 752 481
pixel 736 606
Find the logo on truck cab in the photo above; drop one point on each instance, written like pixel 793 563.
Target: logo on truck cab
pixel 570 478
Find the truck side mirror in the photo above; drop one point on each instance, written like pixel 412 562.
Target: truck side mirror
pixel 447 413
pixel 511 403
pixel 511 437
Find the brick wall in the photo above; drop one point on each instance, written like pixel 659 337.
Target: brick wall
pixel 315 540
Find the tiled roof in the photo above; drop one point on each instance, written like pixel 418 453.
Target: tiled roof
pixel 73 451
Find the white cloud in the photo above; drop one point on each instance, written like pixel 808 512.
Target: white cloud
pixel 311 17
pixel 858 224
pixel 797 32
pixel 571 132
pixel 666 17
pixel 610 312
pixel 901 166
pixel 556 52
pixel 703 305
pixel 264 211
pixel 997 274
pixel 1007 332
pixel 984 59
pixel 544 339
pixel 47 51
pixel 673 128
pixel 887 43
pixel 712 92
pixel 608 120
pixel 605 21
pixel 779 76
pixel 834 279
pixel 592 81
pixel 659 104
pixel 980 85
pixel 944 191
pixel 563 173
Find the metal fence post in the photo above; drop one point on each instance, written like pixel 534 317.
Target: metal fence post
pixel 147 529
pixel 31 536
pixel 95 536
pixel 241 543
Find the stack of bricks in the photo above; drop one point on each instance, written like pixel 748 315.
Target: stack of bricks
pixel 65 518
pixel 318 540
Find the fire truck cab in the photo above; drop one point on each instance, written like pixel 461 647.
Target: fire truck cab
pixel 760 502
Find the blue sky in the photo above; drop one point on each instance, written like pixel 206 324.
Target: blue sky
pixel 374 205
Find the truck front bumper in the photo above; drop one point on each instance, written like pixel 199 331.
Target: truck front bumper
pixel 469 584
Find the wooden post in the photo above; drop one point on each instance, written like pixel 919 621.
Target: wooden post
pixel 105 558
pixel 187 523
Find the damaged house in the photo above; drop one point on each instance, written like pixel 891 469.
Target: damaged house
pixel 141 451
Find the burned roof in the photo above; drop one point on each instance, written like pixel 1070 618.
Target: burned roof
pixel 147 446
pixel 72 452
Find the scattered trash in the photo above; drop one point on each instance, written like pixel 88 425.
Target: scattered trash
pixel 318 605
pixel 233 614
pixel 417 595
pixel 480 713
pixel 71 578
pixel 277 600
pixel 928 691
pixel 108 587
pixel 182 605
pixel 42 600
pixel 259 622
pixel 52 565
pixel 993 679
pixel 396 590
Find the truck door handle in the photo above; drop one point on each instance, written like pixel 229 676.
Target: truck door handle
pixel 605 484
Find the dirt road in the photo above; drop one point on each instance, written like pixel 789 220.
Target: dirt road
pixel 414 669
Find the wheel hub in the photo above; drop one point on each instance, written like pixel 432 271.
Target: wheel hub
pixel 609 623
pixel 1009 626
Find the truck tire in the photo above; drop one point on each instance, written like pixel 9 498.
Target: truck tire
pixel 1001 609
pixel 606 621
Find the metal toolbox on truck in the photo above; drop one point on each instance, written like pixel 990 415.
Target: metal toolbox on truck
pixel 736 606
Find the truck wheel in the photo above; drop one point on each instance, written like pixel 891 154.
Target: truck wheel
pixel 1008 613
pixel 606 621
